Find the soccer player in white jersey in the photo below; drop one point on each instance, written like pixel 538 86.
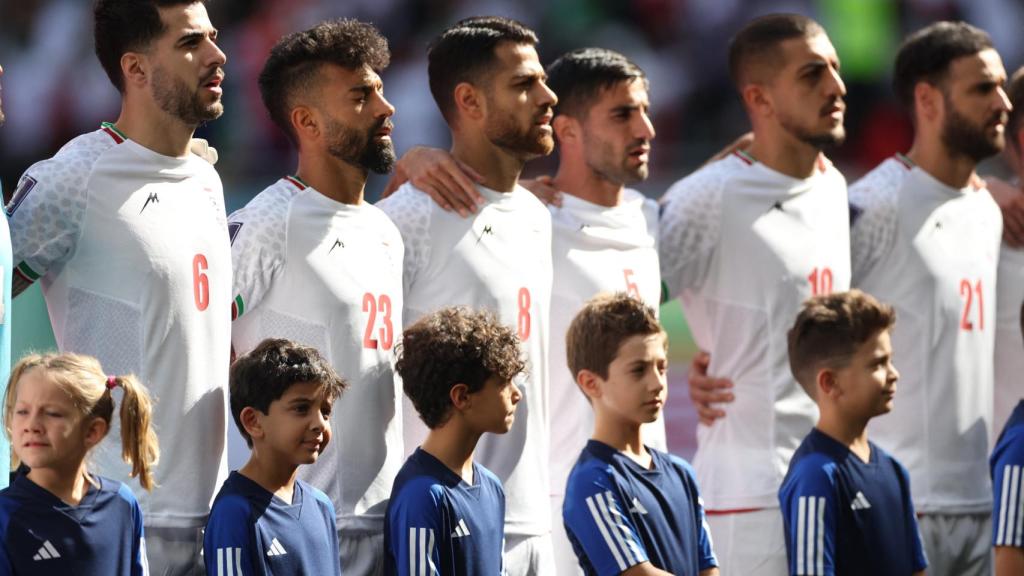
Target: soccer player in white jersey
pixel 925 238
pixel 5 320
pixel 489 84
pixel 127 232
pixel 744 241
pixel 315 263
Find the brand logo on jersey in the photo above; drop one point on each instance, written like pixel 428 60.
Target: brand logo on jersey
pixel 461 531
pixel 153 198
pixel 487 230
pixel 637 507
pixel 233 229
pixel 25 185
pixel 46 552
pixel 860 502
pixel 337 244
pixel 778 206
pixel 276 549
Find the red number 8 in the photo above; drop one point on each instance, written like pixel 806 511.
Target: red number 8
pixel 523 324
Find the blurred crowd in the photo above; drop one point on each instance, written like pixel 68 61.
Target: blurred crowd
pixel 54 88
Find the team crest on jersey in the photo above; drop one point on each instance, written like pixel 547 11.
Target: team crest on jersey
pixel 233 228
pixel 25 185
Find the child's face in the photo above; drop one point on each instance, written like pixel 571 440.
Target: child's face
pixel 297 427
pixel 866 386
pixel 47 430
pixel 493 407
pixel 635 389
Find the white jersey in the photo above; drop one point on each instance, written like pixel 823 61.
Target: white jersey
pixel 595 249
pixel 132 250
pixel 743 246
pixel 329 275
pixel 931 252
pixel 1009 351
pixel 498 260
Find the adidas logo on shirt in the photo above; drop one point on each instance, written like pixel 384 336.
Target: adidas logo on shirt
pixel 276 549
pixel 860 502
pixel 637 507
pixel 461 530
pixel 46 552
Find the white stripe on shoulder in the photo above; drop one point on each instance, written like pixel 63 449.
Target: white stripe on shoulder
pixel 603 529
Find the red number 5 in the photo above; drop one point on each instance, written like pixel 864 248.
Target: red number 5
pixel 631 286
pixel 200 282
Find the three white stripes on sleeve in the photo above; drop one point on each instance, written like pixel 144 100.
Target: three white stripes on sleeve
pixel 1010 526
pixel 617 536
pixel 421 552
pixel 229 562
pixel 810 536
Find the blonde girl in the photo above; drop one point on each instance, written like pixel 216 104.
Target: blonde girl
pixel 57 517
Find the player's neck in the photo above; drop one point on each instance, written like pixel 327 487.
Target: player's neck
pixel 453 445
pixel 784 153
pixel 70 485
pixel 272 476
pixel 577 179
pixel 147 125
pixel 499 168
pixel 338 180
pixel 932 156
pixel 851 433
pixel 623 436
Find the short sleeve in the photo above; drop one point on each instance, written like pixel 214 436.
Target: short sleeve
pixel 810 513
pixel 910 520
pixel 873 223
pixel 705 545
pixel 410 210
pixel 415 519
pixel 598 523
pixel 689 228
pixel 7 509
pixel 1008 491
pixel 227 545
pixel 258 235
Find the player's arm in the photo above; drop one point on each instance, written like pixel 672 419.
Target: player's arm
pixel 809 513
pixel 596 518
pixel 1009 561
pixel 417 530
pixel 228 548
pixel 448 181
pixel 255 263
pixel 707 391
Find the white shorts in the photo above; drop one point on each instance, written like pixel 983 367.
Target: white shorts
pixel 750 543
pixel 566 562
pixel 175 551
pixel 362 554
pixel 529 556
pixel 957 544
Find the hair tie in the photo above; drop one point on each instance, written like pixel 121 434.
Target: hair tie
pixel 111 382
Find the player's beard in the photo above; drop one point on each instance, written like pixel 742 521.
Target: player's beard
pixel 361 149
pixel 820 140
pixel 503 130
pixel 611 165
pixel 173 96
pixel 962 137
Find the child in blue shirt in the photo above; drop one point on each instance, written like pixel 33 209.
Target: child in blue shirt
pixel 1007 468
pixel 56 517
pixel 447 513
pixel 629 509
pixel 845 502
pixel 265 521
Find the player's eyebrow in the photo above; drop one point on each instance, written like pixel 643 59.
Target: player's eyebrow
pixel 196 35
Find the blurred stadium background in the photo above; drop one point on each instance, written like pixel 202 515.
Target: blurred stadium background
pixel 54 89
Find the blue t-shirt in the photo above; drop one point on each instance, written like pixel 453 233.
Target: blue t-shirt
pixel 436 523
pixel 845 516
pixel 253 532
pixel 1007 466
pixel 618 514
pixel 44 535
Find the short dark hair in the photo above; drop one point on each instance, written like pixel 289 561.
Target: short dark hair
pixel 296 60
pixel 925 55
pixel 599 329
pixel 829 329
pixel 465 52
pixel 579 77
pixel 1015 122
pixel 264 375
pixel 454 345
pixel 756 46
pixel 122 26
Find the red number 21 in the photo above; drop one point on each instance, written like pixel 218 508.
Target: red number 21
pixel 967 293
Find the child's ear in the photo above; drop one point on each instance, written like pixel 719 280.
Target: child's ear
pixel 95 430
pixel 460 397
pixel 251 421
pixel 828 385
pixel 590 383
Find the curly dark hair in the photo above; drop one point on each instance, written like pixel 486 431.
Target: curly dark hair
pixel 452 346
pixel 599 329
pixel 295 61
pixel 265 374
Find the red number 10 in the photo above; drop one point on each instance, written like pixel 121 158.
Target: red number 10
pixel 821 281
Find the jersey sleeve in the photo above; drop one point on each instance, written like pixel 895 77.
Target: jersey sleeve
pixel 228 548
pixel 873 224
pixel 416 523
pixel 7 508
pixel 597 521
pixel 689 228
pixel 705 545
pixel 140 562
pixel 258 235
pixel 331 525
pixel 410 210
pixel 910 520
pixel 1008 491
pixel 810 513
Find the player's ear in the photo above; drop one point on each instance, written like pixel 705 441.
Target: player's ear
pixel 827 384
pixel 589 383
pixel 251 421
pixel 756 99
pixel 135 69
pixel 567 129
pixel 304 122
pixel 928 102
pixel 469 101
pixel 460 397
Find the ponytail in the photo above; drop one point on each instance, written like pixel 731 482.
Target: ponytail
pixel 139 445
